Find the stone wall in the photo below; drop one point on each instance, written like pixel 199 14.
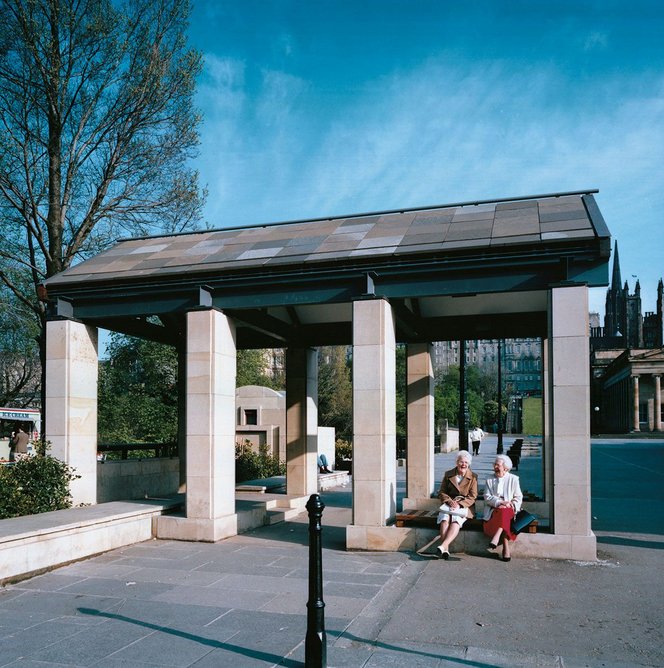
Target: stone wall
pixel 137 478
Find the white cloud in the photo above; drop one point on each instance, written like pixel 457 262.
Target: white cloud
pixel 445 132
pixel 596 40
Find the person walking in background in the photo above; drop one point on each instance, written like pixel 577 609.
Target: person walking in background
pixel 476 435
pixel 19 444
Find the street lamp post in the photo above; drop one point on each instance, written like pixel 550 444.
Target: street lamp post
pixel 499 449
pixel 463 398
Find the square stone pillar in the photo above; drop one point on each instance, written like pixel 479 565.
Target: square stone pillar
pixel 301 421
pixel 182 414
pixel 570 417
pixel 658 402
pixel 374 413
pixel 420 483
pixel 547 438
pixel 71 402
pixel 210 431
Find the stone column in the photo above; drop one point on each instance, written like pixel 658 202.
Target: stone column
pixel 182 414
pixel 658 402
pixel 635 405
pixel 210 426
pixel 302 421
pixel 420 483
pixel 374 413
pixel 547 436
pixel 71 402
pixel 570 419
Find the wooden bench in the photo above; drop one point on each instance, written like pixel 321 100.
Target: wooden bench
pixel 427 518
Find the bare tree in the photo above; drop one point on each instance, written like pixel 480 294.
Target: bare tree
pixel 20 370
pixel 97 127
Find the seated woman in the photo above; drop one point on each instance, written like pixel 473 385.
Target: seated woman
pixel 502 501
pixel 323 465
pixel 458 491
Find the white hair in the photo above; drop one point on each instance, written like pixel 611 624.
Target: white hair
pixel 464 454
pixel 507 462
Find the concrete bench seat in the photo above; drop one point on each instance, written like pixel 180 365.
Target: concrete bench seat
pixel 427 518
pixel 35 543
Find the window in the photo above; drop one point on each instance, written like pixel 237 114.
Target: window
pixel 250 416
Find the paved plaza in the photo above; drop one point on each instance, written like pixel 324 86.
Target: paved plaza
pixel 242 601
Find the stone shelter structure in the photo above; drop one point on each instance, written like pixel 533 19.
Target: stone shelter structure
pixel 261 418
pixel 517 267
pixel 261 422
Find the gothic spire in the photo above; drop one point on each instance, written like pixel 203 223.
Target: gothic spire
pixel 616 282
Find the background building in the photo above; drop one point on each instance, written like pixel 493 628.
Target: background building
pixel 521 361
pixel 627 360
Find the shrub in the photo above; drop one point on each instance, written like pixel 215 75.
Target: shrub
pixel 251 465
pixel 343 450
pixel 35 485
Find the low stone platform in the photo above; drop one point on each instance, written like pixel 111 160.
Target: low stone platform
pixel 36 543
pixel 277 483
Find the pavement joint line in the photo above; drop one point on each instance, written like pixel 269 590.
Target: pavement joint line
pixel 378 611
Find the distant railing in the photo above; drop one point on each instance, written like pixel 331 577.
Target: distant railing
pixel 147 450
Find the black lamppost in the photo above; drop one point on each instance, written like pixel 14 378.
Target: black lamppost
pixel 499 449
pixel 315 644
pixel 463 398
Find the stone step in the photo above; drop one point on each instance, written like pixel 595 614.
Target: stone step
pixel 276 516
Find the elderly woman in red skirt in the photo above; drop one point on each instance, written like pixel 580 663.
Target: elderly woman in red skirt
pixel 502 501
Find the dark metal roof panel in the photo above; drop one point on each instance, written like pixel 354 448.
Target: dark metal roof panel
pixel 447 229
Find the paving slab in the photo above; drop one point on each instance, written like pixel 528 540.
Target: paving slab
pixel 242 602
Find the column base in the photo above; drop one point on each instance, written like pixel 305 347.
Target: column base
pixel 194 529
pixel 424 503
pixel 406 539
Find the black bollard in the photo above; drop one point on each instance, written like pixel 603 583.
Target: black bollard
pixel 315 647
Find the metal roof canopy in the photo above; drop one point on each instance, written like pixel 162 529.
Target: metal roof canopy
pixel 468 270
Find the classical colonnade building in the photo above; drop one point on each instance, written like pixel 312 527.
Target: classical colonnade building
pixel 517 267
pixel 631 391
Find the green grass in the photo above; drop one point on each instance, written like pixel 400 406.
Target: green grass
pixel 532 415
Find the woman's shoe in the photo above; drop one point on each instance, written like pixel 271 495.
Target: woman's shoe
pixel 444 554
pixel 506 558
pixel 491 547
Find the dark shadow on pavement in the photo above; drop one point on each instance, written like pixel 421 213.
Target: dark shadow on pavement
pixel 254 654
pixel 274 658
pixel 631 542
pixel 416 652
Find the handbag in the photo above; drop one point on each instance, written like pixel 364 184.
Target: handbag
pixel 460 512
pixel 521 520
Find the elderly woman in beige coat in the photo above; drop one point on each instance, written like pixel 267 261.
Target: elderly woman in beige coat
pixel 458 491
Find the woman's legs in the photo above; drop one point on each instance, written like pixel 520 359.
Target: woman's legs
pixel 448 532
pixel 451 533
pixel 443 527
pixel 507 554
pixel 498 528
pixel 496 538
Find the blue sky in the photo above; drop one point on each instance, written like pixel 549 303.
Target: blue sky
pixel 328 107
